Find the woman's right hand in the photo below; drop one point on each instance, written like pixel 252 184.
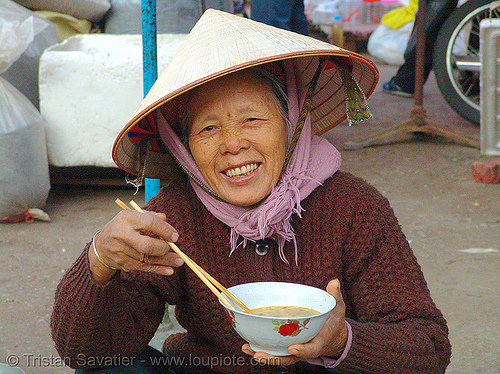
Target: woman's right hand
pixel 124 241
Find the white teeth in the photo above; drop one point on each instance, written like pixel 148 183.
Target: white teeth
pixel 238 172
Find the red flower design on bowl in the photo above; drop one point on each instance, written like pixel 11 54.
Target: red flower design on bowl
pixel 288 329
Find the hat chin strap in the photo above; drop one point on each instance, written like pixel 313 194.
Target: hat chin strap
pixel 356 108
pixel 304 112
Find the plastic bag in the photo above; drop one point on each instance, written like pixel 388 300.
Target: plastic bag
pixel 91 10
pixel 389 45
pixel 29 36
pixel 66 25
pixel 24 170
pixel 396 18
pixel 18 27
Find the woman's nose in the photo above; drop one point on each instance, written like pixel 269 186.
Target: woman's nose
pixel 232 141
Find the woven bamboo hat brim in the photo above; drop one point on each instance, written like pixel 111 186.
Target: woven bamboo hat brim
pixel 221 43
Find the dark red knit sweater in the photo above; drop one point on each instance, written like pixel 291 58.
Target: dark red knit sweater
pixel 347 231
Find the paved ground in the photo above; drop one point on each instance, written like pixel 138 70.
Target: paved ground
pixel 442 210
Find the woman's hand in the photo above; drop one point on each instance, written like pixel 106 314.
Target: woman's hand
pixel 134 241
pixel 330 341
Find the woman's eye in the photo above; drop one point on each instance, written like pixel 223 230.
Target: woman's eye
pixel 253 119
pixel 207 129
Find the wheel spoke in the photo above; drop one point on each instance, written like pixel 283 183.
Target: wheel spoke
pixel 457 64
pixel 466 63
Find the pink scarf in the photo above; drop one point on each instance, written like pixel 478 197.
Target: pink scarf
pixel 313 161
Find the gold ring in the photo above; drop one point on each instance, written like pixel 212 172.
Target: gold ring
pixel 141 257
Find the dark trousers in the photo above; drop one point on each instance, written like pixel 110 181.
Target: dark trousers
pixel 150 361
pixel 284 14
pixel 437 13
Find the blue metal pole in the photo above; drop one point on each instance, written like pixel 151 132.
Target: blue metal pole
pixel 150 70
pixel 150 74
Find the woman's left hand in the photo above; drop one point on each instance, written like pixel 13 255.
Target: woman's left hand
pixel 330 341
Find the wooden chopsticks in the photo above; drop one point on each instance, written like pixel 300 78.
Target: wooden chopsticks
pixel 200 272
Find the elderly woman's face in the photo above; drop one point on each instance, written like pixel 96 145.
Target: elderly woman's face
pixel 237 137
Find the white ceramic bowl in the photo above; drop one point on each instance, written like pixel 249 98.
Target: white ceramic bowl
pixel 273 335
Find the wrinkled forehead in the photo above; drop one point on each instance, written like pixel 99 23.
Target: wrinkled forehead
pixel 175 110
pixel 245 84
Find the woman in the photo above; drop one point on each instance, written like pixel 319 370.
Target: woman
pixel 260 199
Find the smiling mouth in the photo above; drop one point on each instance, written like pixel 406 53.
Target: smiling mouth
pixel 241 171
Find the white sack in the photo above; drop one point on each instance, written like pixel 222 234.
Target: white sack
pixel 24 171
pixel 389 45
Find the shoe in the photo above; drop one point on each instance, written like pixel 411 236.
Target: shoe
pixel 392 88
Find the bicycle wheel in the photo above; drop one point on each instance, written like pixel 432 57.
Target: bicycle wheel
pixel 456 58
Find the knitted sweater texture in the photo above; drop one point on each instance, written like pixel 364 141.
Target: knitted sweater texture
pixel 347 231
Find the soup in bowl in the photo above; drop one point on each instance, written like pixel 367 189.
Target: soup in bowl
pixel 282 314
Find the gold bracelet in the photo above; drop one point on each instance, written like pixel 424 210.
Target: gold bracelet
pixel 97 254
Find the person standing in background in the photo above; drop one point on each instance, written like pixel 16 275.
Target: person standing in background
pixel 403 83
pixel 285 14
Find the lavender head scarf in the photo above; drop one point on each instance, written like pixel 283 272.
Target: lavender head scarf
pixel 313 161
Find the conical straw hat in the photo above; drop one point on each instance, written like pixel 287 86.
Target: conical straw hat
pixel 221 43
